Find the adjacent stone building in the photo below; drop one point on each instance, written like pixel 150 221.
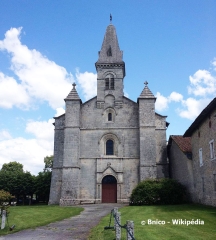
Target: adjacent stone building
pixel 180 161
pixel 105 146
pixel 203 136
pixel 192 157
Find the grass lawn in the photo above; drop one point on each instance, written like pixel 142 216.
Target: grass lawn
pixel 24 217
pixel 168 230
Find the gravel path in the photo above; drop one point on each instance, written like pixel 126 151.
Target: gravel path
pixel 74 228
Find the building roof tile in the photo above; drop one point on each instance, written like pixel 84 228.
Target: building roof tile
pixel 184 143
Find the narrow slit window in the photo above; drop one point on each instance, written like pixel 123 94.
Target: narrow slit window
pixel 109 116
pixel 112 83
pixel 200 157
pixel 107 83
pixel 212 154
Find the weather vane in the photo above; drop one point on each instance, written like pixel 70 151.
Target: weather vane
pixel 110 18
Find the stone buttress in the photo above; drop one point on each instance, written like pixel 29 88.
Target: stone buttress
pixel 71 168
pixel 146 101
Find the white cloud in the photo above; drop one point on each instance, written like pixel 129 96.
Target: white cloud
pixel 161 102
pixel 88 83
pixel 4 135
pixel 202 83
pixel 175 97
pixel 214 64
pixel 59 111
pixel 12 93
pixel 193 107
pixel 40 78
pixel 190 108
pixel 29 152
pixel 36 80
pixel 41 129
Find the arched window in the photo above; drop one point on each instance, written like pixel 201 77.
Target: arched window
pixel 109 116
pixel 109 147
pixel 109 81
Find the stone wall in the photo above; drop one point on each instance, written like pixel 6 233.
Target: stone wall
pixel 161 146
pixel 181 168
pixel 205 174
pixel 56 181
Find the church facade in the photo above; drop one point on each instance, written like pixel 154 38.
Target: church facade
pixel 104 147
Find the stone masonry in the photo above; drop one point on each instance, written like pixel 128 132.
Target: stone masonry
pixel 107 138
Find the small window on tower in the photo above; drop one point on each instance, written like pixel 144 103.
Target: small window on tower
pixel 109 116
pixel 109 82
pixel 112 83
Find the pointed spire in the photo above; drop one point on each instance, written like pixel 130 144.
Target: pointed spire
pixel 110 51
pixel 73 95
pixel 146 93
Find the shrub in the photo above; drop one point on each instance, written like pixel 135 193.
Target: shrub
pixel 4 197
pixel 158 191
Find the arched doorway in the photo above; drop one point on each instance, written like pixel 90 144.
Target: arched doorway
pixel 109 189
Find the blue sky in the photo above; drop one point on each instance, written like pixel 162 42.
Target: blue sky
pixel 47 45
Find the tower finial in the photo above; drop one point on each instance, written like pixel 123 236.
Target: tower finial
pixel 74 85
pixel 146 83
pixel 110 18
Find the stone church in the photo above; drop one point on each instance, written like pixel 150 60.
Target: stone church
pixel 104 147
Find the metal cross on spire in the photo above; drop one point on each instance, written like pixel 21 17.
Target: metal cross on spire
pixel 110 18
pixel 146 83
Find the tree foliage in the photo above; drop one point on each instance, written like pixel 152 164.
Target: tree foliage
pixel 20 183
pixel 15 181
pixel 13 167
pixel 42 185
pixel 158 191
pixel 5 197
pixel 48 160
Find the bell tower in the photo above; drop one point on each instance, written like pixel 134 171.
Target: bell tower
pixel 110 70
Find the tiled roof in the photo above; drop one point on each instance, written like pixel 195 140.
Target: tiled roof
pixel 184 143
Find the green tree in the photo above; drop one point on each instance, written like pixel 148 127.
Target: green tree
pixel 48 160
pixel 4 197
pixel 14 180
pixel 43 180
pixel 12 167
pixel 42 186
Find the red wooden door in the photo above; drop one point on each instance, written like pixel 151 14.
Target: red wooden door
pixel 109 189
